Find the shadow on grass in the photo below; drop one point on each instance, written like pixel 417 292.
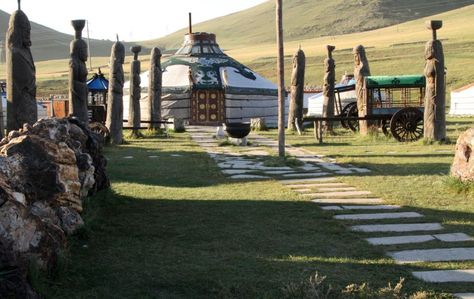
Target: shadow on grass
pixel 137 248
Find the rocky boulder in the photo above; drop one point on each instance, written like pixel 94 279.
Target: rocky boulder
pixel 463 164
pixel 46 170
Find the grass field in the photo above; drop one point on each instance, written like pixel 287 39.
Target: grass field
pixel 174 227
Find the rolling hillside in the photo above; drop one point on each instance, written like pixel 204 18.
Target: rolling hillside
pixel 48 44
pixel 305 19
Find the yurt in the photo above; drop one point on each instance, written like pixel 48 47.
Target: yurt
pixel 204 86
pixel 462 101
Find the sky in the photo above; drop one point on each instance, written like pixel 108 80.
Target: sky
pixel 132 20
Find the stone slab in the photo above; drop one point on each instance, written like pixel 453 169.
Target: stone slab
pixel 432 255
pixel 413 227
pixel 464 295
pixel 332 208
pixel 340 193
pixel 445 275
pixel 334 189
pixel 305 175
pixel 309 180
pixel 235 171
pixel 400 240
pixel 248 176
pixel 302 190
pixel 310 185
pixel 378 216
pixel 454 237
pixel 359 201
pixel 372 207
pixel 277 172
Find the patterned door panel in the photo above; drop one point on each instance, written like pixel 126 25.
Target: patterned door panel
pixel 207 107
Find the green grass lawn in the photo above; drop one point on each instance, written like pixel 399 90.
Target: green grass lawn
pixel 173 226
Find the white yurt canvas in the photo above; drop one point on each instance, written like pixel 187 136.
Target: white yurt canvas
pixel 462 101
pixel 204 86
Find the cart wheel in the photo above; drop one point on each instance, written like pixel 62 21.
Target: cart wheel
pixel 353 112
pixel 407 124
pixel 344 114
pixel 100 129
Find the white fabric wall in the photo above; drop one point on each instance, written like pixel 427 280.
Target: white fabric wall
pixel 462 102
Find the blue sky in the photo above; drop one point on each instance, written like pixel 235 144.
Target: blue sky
pixel 132 20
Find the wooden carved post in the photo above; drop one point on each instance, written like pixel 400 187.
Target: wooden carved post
pixel 78 91
pixel 134 117
pixel 297 91
pixel 21 75
pixel 361 70
pixel 328 87
pixel 154 89
pixel 281 80
pixel 115 99
pixel 435 94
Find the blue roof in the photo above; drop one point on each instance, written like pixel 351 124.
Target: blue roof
pixel 98 82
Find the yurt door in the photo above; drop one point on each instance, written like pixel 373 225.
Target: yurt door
pixel 207 107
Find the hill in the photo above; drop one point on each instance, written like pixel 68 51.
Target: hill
pixel 304 19
pixel 49 44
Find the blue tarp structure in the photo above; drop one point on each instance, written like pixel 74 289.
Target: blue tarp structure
pixel 98 82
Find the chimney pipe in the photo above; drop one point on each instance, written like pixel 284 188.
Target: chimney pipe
pixel 190 24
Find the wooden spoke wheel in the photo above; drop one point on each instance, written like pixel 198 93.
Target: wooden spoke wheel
pixel 407 124
pixel 353 112
pixel 344 114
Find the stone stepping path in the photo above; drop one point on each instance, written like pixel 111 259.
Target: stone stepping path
pixel 364 207
pixel 315 185
pixel 339 193
pixel 402 227
pixel 432 255
pixel 360 201
pixel 331 195
pixel 300 182
pixel 334 189
pixel 378 216
pixel 445 275
pixel 453 237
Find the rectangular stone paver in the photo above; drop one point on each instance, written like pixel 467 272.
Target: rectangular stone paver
pixel 298 181
pixel 248 176
pixel 377 216
pixel 372 207
pixel 305 175
pixel 339 193
pixel 455 237
pixel 397 227
pixel 309 185
pixel 332 208
pixel 464 295
pixel 359 201
pixel 333 189
pixel 452 237
pixel 445 275
pixel 400 240
pixel 432 255
pixel 302 190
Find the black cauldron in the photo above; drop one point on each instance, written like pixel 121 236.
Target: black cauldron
pixel 237 130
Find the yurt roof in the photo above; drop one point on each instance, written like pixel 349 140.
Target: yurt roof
pixel 98 82
pixel 201 64
pixel 464 88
